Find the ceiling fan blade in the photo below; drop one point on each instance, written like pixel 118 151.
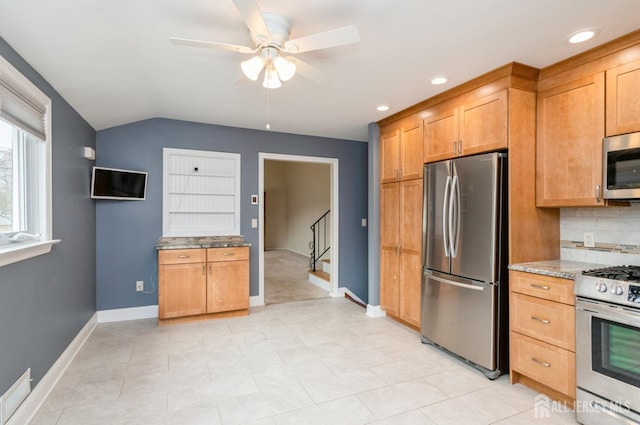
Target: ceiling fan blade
pixel 309 71
pixel 212 45
pixel 323 40
pixel 252 15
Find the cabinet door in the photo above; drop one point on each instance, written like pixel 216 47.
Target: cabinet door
pixel 389 156
pixel 569 145
pixel 227 286
pixel 389 247
pixel 623 99
pixel 411 152
pixel 483 124
pixel 441 135
pixel 411 250
pixel 182 290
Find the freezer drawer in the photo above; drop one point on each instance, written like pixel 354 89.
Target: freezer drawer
pixel 460 316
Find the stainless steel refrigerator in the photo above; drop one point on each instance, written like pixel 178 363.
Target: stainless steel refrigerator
pixel 464 283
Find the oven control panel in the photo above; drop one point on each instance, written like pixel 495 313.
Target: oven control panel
pixel 634 294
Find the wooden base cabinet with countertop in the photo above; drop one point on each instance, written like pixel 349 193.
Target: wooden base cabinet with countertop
pixel 202 283
pixel 542 337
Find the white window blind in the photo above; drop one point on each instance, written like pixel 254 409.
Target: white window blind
pixel 201 193
pixel 21 108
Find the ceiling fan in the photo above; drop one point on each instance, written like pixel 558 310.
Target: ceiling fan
pixel 270 33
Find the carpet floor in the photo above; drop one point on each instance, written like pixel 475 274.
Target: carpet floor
pixel 286 278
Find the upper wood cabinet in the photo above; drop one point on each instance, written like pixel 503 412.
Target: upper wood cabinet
pixel 623 99
pixel 401 153
pixel 569 145
pixel 476 126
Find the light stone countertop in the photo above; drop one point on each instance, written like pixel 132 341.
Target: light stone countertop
pixel 201 242
pixel 564 269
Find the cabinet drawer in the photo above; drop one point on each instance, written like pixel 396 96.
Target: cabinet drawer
pixel 547 287
pixel 545 363
pixel 547 321
pixel 182 256
pixel 228 254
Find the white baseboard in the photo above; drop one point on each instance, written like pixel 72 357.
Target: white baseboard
pixel 124 314
pixel 375 311
pixel 34 401
pixel 256 301
pixel 343 290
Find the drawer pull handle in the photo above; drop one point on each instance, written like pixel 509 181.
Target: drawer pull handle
pixel 545 321
pixel 183 256
pixel 227 253
pixel 545 287
pixel 545 364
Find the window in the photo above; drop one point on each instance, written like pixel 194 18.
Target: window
pixel 25 168
pixel 201 193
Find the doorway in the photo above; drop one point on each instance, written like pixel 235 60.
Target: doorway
pixel 268 238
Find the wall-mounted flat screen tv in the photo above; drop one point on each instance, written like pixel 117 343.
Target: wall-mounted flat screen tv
pixel 113 183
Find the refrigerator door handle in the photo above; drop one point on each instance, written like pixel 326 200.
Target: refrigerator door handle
pixel 452 283
pixel 454 217
pixel 445 209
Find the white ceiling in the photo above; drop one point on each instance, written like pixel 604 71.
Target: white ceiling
pixel 113 62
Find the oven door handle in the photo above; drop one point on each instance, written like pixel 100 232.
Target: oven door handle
pixel 605 311
pixel 597 406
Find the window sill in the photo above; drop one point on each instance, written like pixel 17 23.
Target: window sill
pixel 18 252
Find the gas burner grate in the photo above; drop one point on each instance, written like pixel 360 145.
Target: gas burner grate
pixel 623 273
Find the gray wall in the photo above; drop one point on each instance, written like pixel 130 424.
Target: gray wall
pixel 127 231
pixel 374 214
pixel 46 300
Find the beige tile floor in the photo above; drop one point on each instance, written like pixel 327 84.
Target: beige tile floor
pixel 312 362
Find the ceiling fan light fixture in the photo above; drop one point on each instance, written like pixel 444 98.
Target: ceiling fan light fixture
pixel 286 69
pixel 252 67
pixel 271 80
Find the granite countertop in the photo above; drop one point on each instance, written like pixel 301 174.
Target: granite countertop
pixel 202 242
pixel 557 268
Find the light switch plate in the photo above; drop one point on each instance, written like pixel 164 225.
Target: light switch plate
pixel 364 222
pixel 254 222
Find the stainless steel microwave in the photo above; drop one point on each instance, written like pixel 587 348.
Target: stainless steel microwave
pixel 621 167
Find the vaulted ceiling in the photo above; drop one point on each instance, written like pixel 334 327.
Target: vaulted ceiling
pixel 113 62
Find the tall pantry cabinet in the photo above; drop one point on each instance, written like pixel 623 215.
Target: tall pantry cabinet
pixel 401 220
pixel 495 111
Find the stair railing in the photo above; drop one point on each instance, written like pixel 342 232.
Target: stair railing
pixel 319 244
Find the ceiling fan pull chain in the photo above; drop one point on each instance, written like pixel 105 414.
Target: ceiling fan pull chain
pixel 268 112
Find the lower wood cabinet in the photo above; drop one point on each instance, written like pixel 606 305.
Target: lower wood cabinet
pixel 542 337
pixel 200 283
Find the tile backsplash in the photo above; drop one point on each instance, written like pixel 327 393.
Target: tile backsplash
pixel 616 233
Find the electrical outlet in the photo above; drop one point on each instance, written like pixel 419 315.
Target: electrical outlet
pixel 589 240
pixel 139 285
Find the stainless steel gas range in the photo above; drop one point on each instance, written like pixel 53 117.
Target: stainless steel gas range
pixel 608 345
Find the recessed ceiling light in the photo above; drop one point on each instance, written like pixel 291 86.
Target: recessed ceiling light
pixel 382 108
pixel 583 35
pixel 438 80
